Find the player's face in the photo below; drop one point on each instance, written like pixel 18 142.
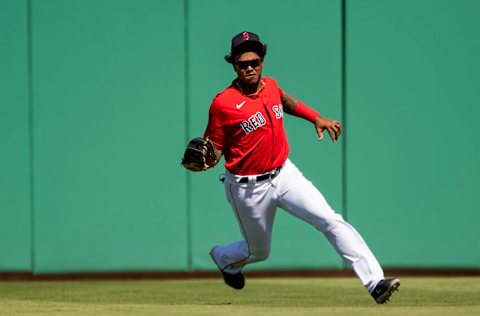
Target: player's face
pixel 248 67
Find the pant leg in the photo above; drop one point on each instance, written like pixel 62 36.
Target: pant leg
pixel 254 206
pixel 299 197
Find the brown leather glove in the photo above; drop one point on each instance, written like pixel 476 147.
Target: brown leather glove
pixel 200 155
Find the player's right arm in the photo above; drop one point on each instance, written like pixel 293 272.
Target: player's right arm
pixel 218 154
pixel 214 130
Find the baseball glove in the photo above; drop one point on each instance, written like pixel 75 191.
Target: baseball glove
pixel 199 155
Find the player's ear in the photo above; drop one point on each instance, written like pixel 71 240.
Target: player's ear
pixel 230 58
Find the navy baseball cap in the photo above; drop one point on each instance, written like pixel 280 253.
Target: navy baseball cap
pixel 246 41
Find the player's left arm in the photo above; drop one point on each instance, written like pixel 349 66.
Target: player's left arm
pixel 295 107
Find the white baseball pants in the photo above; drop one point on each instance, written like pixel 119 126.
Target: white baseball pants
pixel 255 204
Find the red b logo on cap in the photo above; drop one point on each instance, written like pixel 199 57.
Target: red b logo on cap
pixel 246 36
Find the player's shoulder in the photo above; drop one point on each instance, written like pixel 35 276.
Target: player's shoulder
pixel 272 86
pixel 226 96
pixel 270 81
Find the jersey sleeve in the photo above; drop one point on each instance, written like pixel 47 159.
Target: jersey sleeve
pixel 216 128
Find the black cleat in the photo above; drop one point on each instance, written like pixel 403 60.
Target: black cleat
pixel 384 289
pixel 236 281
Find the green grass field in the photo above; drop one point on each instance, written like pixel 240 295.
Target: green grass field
pixel 292 296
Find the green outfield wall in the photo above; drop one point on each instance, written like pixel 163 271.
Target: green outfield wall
pixel 98 99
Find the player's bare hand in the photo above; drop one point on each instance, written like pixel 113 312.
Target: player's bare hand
pixel 334 128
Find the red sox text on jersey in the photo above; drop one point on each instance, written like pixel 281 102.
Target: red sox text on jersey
pixel 257 120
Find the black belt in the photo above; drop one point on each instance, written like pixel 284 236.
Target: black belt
pixel 271 175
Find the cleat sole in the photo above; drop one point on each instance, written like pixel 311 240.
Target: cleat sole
pixel 385 297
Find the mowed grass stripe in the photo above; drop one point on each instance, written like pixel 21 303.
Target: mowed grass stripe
pixel 296 296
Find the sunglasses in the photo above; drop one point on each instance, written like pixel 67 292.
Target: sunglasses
pixel 244 64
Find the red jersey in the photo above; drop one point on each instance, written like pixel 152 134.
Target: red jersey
pixel 249 129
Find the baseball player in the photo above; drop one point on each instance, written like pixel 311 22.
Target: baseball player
pixel 246 127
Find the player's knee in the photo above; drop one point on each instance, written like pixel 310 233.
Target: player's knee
pixel 330 222
pixel 259 254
